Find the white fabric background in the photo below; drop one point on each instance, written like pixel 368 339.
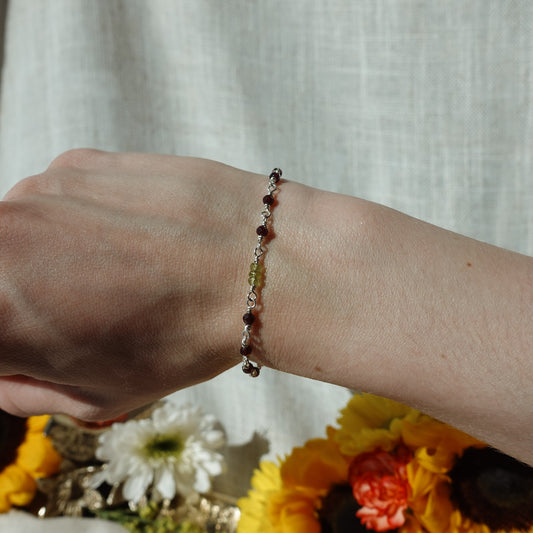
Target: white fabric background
pixel 425 106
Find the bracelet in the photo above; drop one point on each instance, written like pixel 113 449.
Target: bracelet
pixel 255 276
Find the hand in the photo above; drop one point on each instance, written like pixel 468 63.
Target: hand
pixel 123 278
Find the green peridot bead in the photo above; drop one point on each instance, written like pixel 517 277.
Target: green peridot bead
pixel 255 276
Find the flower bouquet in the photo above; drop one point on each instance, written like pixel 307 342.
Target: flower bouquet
pixel 390 468
pixel 386 467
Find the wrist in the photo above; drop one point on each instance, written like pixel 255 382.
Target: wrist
pixel 308 300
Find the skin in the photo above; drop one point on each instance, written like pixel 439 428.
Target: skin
pixel 123 278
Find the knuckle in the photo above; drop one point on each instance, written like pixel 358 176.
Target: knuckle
pixel 34 185
pixel 22 228
pixel 78 158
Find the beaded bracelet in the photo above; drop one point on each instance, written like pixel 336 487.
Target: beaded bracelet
pixel 255 276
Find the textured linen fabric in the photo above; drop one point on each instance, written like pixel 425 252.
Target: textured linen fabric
pixel 422 106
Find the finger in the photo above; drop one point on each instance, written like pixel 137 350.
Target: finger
pixel 25 396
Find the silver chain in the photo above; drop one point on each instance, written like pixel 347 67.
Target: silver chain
pixel 256 274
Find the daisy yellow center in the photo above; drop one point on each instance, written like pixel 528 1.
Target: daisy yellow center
pixel 163 446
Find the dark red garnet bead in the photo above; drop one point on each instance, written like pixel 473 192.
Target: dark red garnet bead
pixel 246 350
pixel 275 175
pixel 262 230
pixel 268 199
pixel 248 318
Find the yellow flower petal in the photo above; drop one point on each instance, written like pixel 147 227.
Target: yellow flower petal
pixel 299 517
pixel 437 445
pixel 286 499
pixel 317 465
pixel 436 515
pixel 369 422
pixel 17 487
pixel 422 482
pixel 37 424
pixel 254 517
pixel 459 524
pixel 35 458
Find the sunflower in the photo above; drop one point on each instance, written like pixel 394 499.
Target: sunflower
pixel 461 485
pixel 491 490
pixel 26 454
pixel 305 494
pixel 436 445
pixel 369 422
pixel 266 481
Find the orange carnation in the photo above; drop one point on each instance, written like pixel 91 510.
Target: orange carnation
pixel 380 486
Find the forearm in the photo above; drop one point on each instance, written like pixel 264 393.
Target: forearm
pixel 124 276
pixel 369 298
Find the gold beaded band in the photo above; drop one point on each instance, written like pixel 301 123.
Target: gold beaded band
pixel 255 276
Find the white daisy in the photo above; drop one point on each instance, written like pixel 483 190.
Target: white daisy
pixel 173 452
